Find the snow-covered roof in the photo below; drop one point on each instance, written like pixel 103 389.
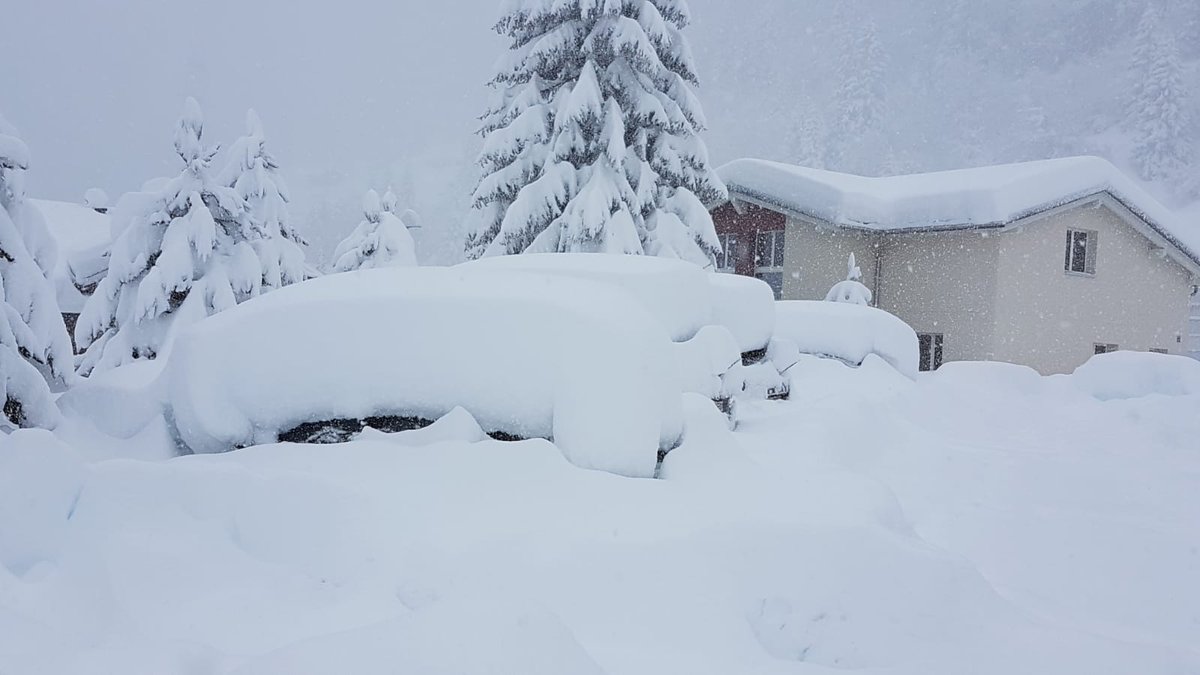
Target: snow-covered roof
pixel 82 235
pixel 991 196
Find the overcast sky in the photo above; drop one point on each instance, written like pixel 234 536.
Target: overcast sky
pixel 353 86
pixel 362 93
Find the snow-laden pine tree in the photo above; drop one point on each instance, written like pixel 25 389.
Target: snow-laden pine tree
pixel 185 252
pixel 857 137
pixel 852 290
pixel 389 202
pixel 1158 107
pixel 808 139
pixel 592 141
pixel 35 350
pixel 380 240
pixel 253 174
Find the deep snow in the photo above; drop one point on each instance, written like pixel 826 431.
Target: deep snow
pixel 981 519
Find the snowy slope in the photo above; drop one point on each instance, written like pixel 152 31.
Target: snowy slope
pixel 939 539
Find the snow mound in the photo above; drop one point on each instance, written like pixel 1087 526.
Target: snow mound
pixel 1121 375
pixel 674 291
pixel 456 425
pixel 120 402
pixel 40 480
pixel 528 355
pixel 994 377
pixel 746 306
pixel 848 332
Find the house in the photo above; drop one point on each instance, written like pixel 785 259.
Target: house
pixel 83 235
pixel 1042 263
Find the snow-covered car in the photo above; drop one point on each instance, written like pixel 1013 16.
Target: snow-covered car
pixel 528 356
pixel 674 292
pixel 746 306
pixel 733 318
pixel 846 332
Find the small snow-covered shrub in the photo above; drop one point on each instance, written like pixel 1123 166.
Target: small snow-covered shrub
pixel 1118 375
pixel 381 239
pixel 848 332
pixel 531 356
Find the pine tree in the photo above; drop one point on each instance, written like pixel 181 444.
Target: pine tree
pixel 185 253
pixel 1145 53
pixel 1158 107
pixel 389 201
pixel 857 136
pixel 35 351
pixel 253 174
pixel 592 142
pixel 808 139
pixel 380 240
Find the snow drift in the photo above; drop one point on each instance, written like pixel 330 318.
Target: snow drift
pixel 524 354
pixel 848 332
pixel 1127 374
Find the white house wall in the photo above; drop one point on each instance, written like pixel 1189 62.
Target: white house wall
pixel 1051 320
pixel 815 258
pixel 943 283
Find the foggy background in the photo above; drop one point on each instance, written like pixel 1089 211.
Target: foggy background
pixel 357 94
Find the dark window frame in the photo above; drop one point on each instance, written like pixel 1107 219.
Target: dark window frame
pixel 1079 257
pixel 931 348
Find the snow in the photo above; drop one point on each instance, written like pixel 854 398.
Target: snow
pixel 83 237
pixel 532 356
pixel 977 197
pixel 848 332
pixel 1122 375
pixel 938 539
pixel 13 151
pixel 95 198
pixel 673 291
pixel 746 306
pixel 381 239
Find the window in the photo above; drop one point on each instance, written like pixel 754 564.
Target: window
pixel 1157 350
pixel 1080 257
pixel 768 259
pixel 727 258
pixel 931 350
pixel 1103 348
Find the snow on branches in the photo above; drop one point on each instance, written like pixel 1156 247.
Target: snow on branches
pixel 35 350
pixel 200 244
pixel 592 141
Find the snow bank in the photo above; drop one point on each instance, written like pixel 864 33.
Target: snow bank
pixel 746 306
pixel 848 332
pixel 120 402
pixel 40 480
pixel 530 355
pixel 1119 375
pixel 673 291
